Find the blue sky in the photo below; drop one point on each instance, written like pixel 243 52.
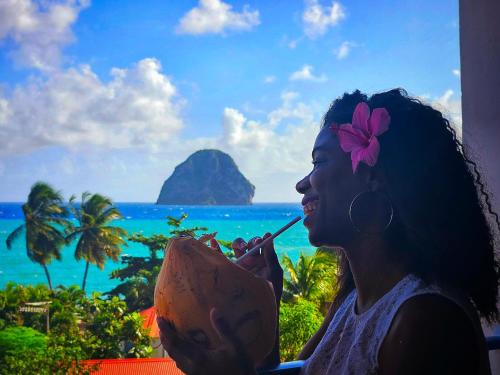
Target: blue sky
pixel 109 96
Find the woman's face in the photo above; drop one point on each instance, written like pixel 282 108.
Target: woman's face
pixel 328 191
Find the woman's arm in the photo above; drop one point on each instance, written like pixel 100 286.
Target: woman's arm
pixel 430 335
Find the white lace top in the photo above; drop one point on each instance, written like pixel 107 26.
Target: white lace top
pixel 352 341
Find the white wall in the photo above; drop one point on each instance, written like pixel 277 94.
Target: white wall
pixel 480 73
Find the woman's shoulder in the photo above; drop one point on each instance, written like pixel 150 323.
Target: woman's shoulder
pixel 430 334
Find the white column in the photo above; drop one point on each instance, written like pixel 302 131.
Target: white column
pixel 480 73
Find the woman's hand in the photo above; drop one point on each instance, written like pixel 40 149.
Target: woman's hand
pixel 265 265
pixel 192 359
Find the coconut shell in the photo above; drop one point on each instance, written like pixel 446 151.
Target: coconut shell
pixel 195 278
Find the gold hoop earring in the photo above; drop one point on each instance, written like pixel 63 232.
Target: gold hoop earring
pixel 365 195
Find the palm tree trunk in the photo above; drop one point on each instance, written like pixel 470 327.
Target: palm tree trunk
pixel 85 276
pixel 47 274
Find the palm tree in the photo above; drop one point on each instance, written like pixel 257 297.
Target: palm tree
pixel 311 278
pixel 98 240
pixel 42 211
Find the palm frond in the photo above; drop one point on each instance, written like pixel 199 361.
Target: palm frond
pixel 110 214
pixel 15 234
pixel 99 241
pixel 72 235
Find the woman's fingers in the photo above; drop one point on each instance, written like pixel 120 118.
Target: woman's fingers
pixel 231 341
pixel 183 352
pixel 239 246
pixel 269 253
pixel 215 245
pixel 254 242
pixel 172 341
pixel 207 236
pixel 168 334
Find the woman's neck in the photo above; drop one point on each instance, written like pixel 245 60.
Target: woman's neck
pixel 374 272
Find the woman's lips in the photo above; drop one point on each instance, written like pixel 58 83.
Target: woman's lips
pixel 310 207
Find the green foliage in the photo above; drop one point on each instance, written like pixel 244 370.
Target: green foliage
pixel 94 327
pixel 112 332
pixel 44 215
pixel 139 274
pixel 155 242
pixel 177 230
pixel 60 355
pixel 176 222
pixel 62 310
pixel 97 239
pixel 24 350
pixel 138 288
pixel 298 323
pixel 21 338
pixel 311 278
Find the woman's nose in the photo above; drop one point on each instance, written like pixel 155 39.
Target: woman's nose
pixel 303 185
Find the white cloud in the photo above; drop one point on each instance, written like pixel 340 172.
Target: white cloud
pixel 238 132
pixel 215 17
pixel 306 74
pixel 344 49
pixel 289 109
pixel 456 72
pixel 39 29
pixel 317 18
pixel 138 107
pixel 288 42
pixel 272 159
pixel 450 106
pixel 269 79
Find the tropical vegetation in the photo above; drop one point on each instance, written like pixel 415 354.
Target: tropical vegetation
pixel 81 327
pixel 311 278
pixel 298 322
pixel 309 286
pixel 45 218
pixel 24 350
pixel 98 240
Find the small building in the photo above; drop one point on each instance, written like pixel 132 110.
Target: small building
pixel 149 316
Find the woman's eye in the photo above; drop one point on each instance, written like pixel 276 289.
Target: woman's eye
pixel 316 162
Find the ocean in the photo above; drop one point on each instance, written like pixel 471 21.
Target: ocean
pixel 147 218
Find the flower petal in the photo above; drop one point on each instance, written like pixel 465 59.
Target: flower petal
pixel 360 118
pixel 355 159
pixel 351 138
pixel 379 121
pixel 369 154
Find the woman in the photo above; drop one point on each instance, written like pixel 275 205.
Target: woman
pixel 393 188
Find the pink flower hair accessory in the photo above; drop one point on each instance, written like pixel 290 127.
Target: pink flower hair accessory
pixel 360 137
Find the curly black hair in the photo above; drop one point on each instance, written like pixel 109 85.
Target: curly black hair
pixel 444 226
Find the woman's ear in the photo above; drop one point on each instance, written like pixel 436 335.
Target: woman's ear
pixel 375 179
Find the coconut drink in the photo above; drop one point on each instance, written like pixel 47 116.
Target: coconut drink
pixel 194 278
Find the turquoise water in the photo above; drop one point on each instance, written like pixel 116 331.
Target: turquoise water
pixel 229 221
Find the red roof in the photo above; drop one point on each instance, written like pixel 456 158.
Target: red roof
pixel 149 316
pixel 135 366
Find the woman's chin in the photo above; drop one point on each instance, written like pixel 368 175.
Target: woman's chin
pixel 315 241
pixel 315 237
pixel 325 235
